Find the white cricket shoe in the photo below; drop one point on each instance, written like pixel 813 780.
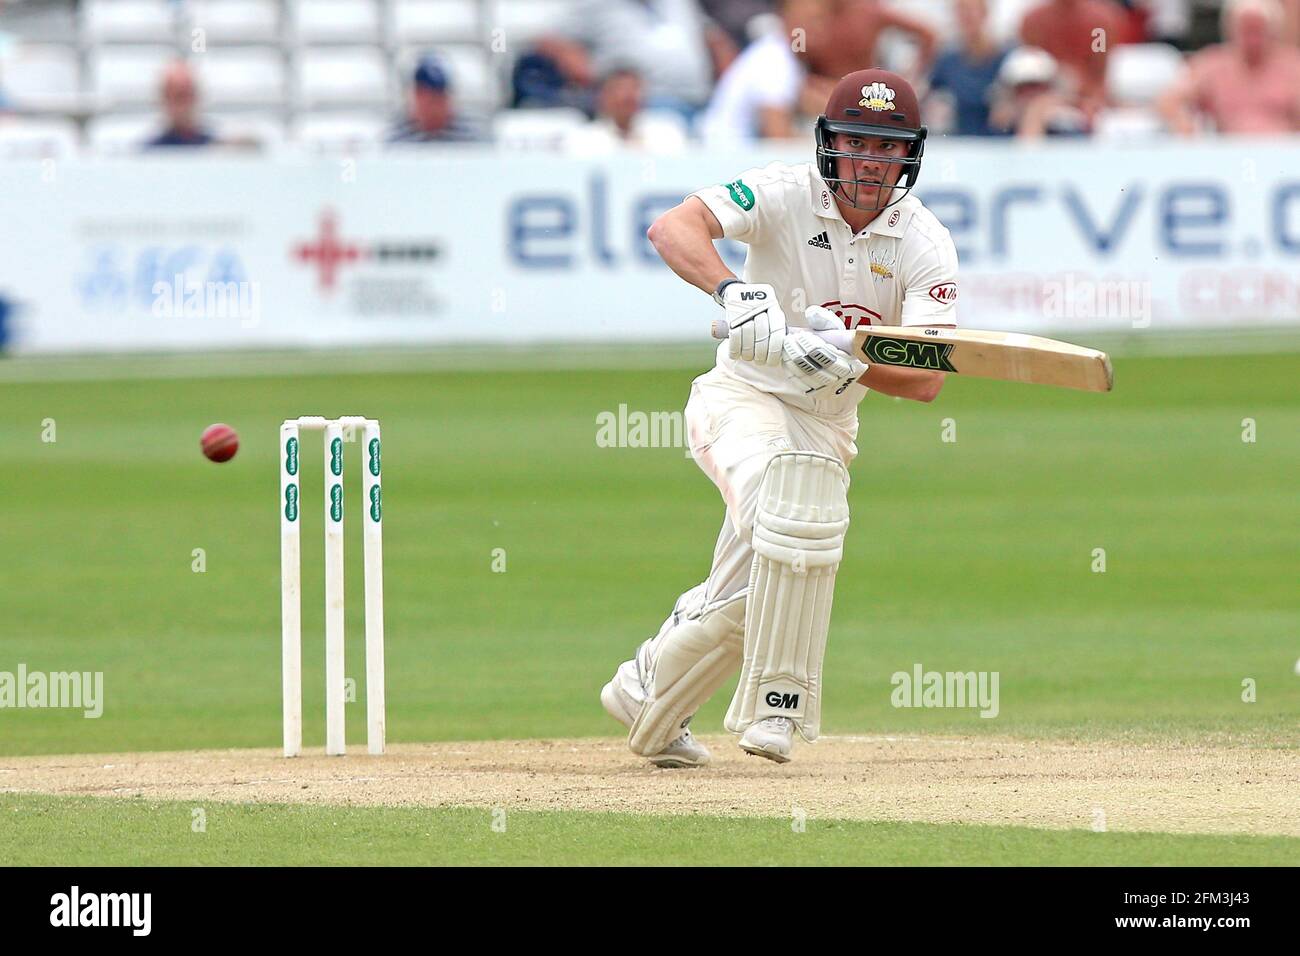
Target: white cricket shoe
pixel 771 738
pixel 623 706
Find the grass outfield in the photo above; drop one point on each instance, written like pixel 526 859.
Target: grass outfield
pixel 973 555
pixel 114 832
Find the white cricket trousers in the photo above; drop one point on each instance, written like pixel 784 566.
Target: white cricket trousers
pixel 734 430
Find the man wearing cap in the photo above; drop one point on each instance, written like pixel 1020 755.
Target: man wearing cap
pixel 839 242
pixel 1028 102
pixel 431 115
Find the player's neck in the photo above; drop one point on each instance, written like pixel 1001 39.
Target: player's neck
pixel 857 219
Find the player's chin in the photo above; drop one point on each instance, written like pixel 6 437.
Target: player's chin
pixel 869 196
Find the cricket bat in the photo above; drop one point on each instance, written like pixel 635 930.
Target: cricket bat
pixel 1009 356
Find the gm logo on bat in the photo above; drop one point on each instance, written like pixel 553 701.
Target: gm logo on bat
pixel 887 351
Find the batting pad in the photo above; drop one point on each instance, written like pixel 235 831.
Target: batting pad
pixel 696 658
pixel 803 514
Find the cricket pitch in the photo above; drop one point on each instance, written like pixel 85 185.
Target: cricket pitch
pixel 1111 785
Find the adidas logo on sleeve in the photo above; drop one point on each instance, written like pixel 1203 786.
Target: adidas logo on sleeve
pixel 820 241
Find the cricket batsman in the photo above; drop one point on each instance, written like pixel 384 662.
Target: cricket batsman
pixel 835 243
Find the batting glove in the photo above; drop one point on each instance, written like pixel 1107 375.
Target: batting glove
pixel 755 322
pixel 813 362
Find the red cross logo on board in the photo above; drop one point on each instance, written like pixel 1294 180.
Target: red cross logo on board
pixel 327 252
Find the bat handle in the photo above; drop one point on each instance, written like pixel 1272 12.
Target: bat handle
pixel 842 339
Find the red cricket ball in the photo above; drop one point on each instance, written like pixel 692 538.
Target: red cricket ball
pixel 219 442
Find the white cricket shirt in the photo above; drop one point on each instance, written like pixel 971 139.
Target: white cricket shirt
pixel 899 270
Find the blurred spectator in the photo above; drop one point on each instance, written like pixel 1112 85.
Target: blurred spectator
pixel 1248 84
pixel 761 94
pixel 180 107
pixel 733 17
pixel 431 114
pixel 966 72
pixel 669 42
pixel 855 31
pixel 622 123
pixel 537 83
pixel 1079 35
pixel 1029 102
pixel 1168 21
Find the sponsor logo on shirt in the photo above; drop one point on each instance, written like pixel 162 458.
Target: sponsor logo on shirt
pixel 877 97
pixel 894 217
pixel 820 241
pixel 853 314
pixel 944 293
pixel 741 194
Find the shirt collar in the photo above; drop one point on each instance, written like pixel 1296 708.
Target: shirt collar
pixel 823 203
pixel 892 220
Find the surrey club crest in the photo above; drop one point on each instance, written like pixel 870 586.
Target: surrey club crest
pixel 877 97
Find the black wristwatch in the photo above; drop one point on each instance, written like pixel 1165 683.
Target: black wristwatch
pixel 717 293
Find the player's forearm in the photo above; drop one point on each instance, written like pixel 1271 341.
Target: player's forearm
pixel 683 241
pixel 918 384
